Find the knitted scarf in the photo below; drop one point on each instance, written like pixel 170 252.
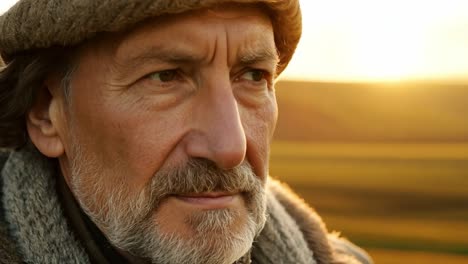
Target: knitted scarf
pixel 40 233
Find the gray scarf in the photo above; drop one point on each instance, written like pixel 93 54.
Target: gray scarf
pixel 37 225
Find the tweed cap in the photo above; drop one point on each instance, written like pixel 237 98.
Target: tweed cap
pixel 36 24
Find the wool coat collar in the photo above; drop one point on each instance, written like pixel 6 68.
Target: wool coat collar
pixel 38 228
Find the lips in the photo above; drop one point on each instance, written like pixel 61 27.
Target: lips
pixel 211 200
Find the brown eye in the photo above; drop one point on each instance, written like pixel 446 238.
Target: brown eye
pixel 164 76
pixel 254 75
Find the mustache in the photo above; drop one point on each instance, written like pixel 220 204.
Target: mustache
pixel 202 175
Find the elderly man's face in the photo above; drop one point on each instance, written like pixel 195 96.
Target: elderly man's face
pixel 166 135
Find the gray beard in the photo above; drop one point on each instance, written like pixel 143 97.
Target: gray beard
pixel 127 219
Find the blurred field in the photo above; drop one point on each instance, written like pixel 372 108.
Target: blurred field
pixel 395 256
pixel 408 112
pixel 405 203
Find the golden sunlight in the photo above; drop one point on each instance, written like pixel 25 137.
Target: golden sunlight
pixel 387 48
pixel 379 40
pixel 382 40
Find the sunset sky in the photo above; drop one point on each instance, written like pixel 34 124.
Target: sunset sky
pixel 382 40
pixel 374 40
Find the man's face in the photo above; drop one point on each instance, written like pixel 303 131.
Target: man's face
pixel 167 134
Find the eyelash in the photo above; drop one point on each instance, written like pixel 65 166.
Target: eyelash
pixel 175 72
pixel 178 75
pixel 267 76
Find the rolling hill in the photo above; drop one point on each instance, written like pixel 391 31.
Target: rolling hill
pixel 372 112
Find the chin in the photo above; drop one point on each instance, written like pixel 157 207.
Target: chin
pixel 210 237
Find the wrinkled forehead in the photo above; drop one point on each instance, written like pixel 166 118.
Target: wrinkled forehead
pixel 249 25
pixel 255 14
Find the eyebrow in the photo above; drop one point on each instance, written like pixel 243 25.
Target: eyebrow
pixel 172 55
pixel 262 55
pixel 180 57
pixel 158 54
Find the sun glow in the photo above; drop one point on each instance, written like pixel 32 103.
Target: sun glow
pixel 387 49
pixel 382 40
pixel 378 40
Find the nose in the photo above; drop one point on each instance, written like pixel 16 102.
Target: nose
pixel 218 133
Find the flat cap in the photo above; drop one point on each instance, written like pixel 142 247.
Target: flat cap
pixel 37 24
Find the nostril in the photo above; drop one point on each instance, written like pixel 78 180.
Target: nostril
pixel 226 149
pixel 230 150
pixel 229 160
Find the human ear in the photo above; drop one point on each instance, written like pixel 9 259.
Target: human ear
pixel 43 122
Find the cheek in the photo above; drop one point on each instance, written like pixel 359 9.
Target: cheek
pixel 261 120
pixel 130 143
pixel 273 113
pixel 125 132
pixel 145 145
pixel 259 126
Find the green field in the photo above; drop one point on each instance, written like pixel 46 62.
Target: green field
pixel 405 203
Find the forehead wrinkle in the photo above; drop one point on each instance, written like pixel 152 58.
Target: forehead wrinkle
pixel 162 54
pixel 155 54
pixel 260 51
pixel 253 56
pixel 258 48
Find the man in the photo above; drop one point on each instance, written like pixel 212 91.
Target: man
pixel 140 131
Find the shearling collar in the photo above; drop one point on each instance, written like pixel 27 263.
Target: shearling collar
pixel 37 223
